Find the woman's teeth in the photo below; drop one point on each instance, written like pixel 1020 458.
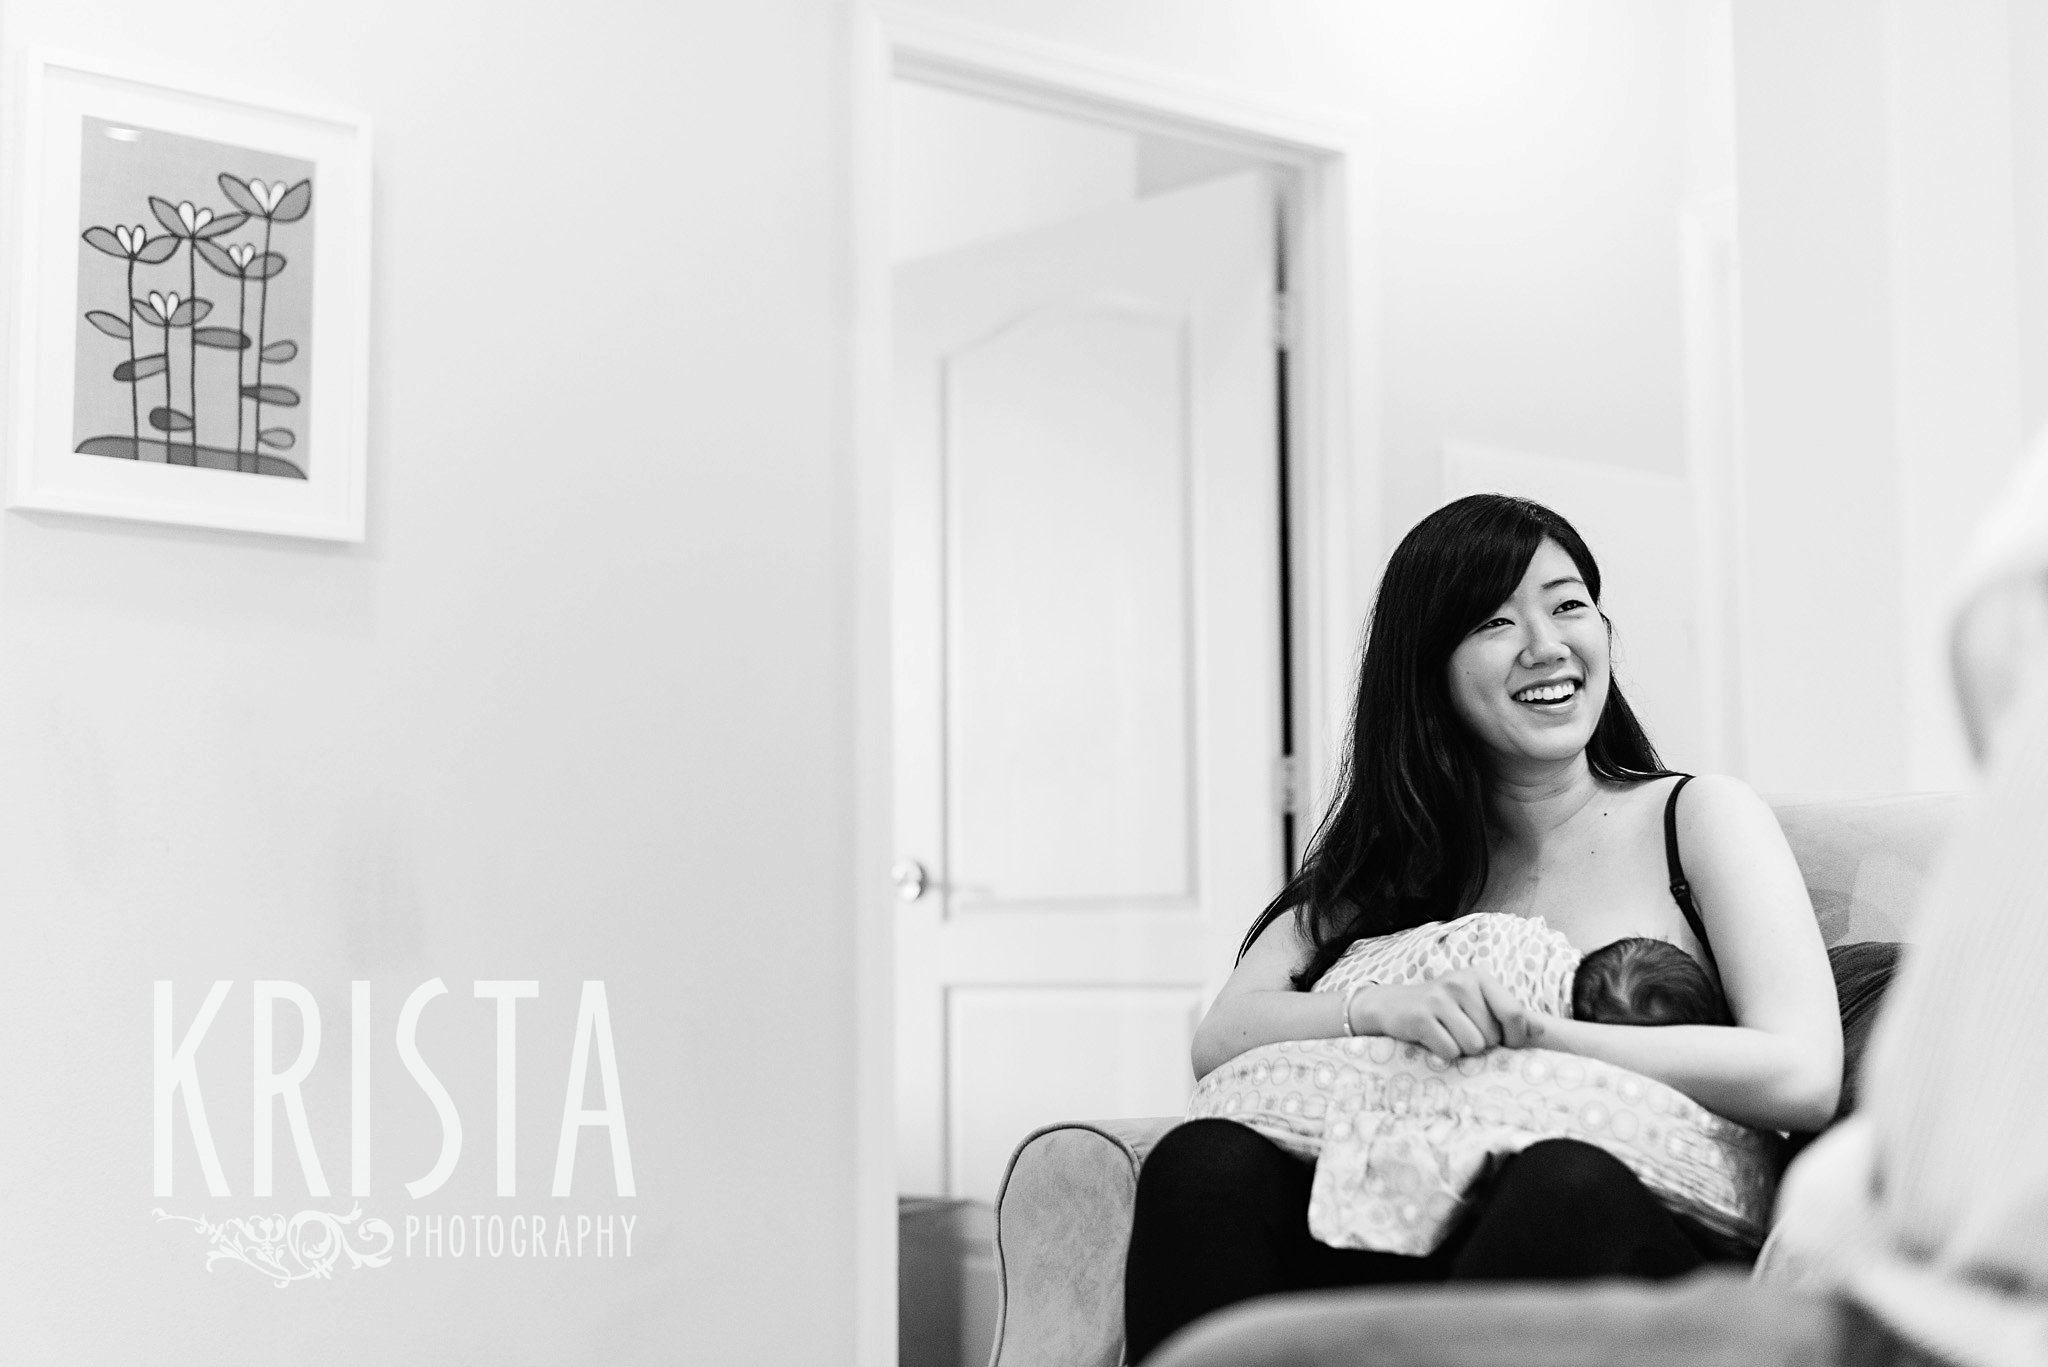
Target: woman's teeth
pixel 1556 692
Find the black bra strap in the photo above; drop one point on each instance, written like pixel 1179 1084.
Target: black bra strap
pixel 1681 891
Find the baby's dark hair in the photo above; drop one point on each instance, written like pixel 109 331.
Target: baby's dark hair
pixel 1645 982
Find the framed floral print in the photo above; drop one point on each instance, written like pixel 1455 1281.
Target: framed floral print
pixel 192 325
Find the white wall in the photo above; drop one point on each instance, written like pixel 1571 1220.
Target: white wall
pixel 1882 381
pixel 1959 401
pixel 2029 91
pixel 1533 166
pixel 966 169
pixel 1820 456
pixel 575 710
pixel 1168 164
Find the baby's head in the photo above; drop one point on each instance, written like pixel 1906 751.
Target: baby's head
pixel 1645 982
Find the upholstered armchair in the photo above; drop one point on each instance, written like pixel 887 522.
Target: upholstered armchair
pixel 1064 1210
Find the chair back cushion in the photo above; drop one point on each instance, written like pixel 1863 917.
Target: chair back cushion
pixel 1866 860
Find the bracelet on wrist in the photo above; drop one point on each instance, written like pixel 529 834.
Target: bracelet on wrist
pixel 1350 997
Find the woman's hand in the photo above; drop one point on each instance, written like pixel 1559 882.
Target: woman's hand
pixel 1464 1012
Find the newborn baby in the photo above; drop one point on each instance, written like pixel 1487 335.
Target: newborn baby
pixel 1630 982
pixel 1645 982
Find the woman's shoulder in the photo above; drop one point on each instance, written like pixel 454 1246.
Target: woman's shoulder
pixel 1694 796
pixel 1719 816
pixel 1713 816
pixel 1714 796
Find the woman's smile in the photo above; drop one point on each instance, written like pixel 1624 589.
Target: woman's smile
pixel 1549 697
pixel 1530 681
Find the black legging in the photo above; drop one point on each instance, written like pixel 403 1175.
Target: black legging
pixel 1222 1216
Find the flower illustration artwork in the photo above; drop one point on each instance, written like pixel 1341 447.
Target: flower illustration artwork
pixel 195 303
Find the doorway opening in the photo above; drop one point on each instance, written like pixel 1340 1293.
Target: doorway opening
pixel 1102 391
pixel 1090 639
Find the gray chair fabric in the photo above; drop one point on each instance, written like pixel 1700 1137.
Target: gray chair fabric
pixel 1063 1214
pixel 1712 1319
pixel 1063 1217
pixel 1865 860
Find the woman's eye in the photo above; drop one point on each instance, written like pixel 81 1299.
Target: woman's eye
pixel 1569 604
pixel 1490 623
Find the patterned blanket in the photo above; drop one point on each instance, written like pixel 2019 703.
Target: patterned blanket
pixel 1400 1137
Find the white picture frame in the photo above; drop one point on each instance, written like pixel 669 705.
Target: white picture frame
pixel 262 353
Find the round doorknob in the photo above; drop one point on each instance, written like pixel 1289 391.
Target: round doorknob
pixel 910 878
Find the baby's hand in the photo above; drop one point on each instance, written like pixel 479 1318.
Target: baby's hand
pixel 1463 1012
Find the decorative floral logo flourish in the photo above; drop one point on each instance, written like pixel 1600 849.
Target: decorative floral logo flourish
pixel 288 1249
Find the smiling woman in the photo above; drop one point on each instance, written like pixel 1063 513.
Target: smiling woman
pixel 1532 680
pixel 1495 767
pixel 1487 596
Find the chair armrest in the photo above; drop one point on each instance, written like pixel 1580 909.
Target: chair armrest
pixel 1063 1223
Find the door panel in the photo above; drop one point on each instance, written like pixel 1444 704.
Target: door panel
pixel 1086 663
pixel 1068 659
pixel 1058 1037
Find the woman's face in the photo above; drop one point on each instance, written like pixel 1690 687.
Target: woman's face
pixel 1531 680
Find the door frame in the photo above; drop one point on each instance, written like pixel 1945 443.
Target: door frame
pixel 1325 166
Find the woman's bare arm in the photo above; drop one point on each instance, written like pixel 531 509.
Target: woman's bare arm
pixel 1459 1013
pixel 1259 1003
pixel 1780 1066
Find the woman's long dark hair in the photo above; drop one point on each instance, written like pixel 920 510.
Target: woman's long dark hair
pixel 1405 841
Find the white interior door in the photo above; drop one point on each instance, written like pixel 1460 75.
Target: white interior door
pixel 1087 663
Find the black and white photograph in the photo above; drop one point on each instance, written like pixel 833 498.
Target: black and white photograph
pixel 968 683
